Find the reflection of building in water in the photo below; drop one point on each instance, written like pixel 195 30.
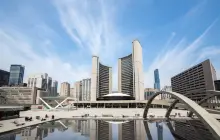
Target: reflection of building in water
pixel 85 125
pixel 159 131
pixel 35 133
pixel 51 130
pixel 140 133
pixel 192 130
pixel 126 131
pixel 8 136
pixel 93 130
pixel 104 130
pixel 132 130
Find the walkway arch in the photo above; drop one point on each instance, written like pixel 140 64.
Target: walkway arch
pixel 169 110
pixel 212 94
pixel 210 122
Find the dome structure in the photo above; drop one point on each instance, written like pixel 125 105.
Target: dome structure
pixel 116 96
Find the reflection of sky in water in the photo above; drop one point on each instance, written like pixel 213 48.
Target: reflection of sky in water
pixel 66 135
pixel 114 131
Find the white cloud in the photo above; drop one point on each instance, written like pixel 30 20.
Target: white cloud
pixel 15 48
pixel 178 58
pixel 91 24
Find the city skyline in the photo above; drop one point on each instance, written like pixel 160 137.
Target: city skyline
pixel 52 41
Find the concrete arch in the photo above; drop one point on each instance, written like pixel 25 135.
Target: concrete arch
pixel 210 122
pixel 213 93
pixel 169 110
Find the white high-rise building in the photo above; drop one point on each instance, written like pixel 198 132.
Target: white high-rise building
pixel 86 89
pixel 130 73
pixel 101 81
pixel 77 91
pixel 82 90
pixel 41 80
pixel 72 92
pixel 65 89
pixel 54 88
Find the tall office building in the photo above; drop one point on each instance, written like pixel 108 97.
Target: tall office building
pixel 156 79
pixel 65 89
pixel 77 91
pixel 54 87
pixel 101 81
pixel 42 81
pixel 16 74
pixel 72 92
pixel 195 81
pixel 86 89
pixel 4 77
pixel 130 73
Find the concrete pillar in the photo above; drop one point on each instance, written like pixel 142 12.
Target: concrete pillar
pixel 138 70
pixel 94 78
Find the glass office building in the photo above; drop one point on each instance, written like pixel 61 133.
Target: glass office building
pixel 156 79
pixel 16 74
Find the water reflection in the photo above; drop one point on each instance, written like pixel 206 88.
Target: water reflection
pixel 113 130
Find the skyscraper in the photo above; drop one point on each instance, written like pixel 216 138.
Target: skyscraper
pixel 54 87
pixel 101 81
pixel 41 80
pixel 156 79
pixel 65 89
pixel 86 89
pixel 130 73
pixel 16 74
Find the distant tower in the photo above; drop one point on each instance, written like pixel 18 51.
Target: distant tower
pixel 65 89
pixel 16 75
pixel 101 80
pixel 156 79
pixel 130 73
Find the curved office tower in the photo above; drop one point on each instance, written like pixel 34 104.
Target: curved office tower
pixel 101 81
pixel 130 73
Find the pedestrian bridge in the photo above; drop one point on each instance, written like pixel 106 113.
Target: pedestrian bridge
pixel 212 124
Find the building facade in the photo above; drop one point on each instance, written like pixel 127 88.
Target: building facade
pixel 54 86
pixel 101 81
pixel 194 81
pixel 16 75
pixel 22 95
pixel 42 81
pixel 77 91
pixel 72 92
pixel 156 79
pixel 130 73
pixel 148 92
pixel 4 78
pixel 86 89
pixel 217 85
pixel 65 89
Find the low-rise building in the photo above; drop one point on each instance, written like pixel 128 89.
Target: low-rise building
pixel 148 92
pixel 4 77
pixel 217 85
pixel 25 96
pixel 65 89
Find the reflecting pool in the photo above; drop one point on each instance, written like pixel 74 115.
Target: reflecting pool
pixel 113 130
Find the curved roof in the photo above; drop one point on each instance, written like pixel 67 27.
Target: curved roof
pixel 115 94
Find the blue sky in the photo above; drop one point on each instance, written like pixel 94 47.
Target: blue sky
pixel 60 36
